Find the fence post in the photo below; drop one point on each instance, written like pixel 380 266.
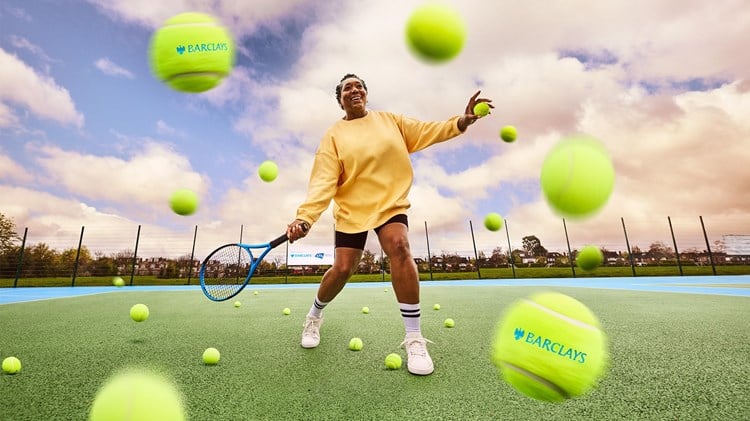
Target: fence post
pixel 476 256
pixel 627 244
pixel 286 265
pixel 78 255
pixel 674 241
pixel 570 253
pixel 382 264
pixel 429 257
pixel 192 255
pixel 708 247
pixel 135 255
pixel 20 256
pixel 510 249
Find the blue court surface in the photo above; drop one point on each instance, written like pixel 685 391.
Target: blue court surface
pixel 711 285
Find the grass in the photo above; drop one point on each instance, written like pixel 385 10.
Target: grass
pixel 674 356
pixel 487 273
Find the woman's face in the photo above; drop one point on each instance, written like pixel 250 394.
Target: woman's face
pixel 353 97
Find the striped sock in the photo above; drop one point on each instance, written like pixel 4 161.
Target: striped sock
pixel 317 308
pixel 410 313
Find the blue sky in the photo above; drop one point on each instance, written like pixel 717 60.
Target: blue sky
pixel 89 137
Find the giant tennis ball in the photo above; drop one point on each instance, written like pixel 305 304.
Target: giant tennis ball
pixel 550 347
pixel 493 221
pixel 11 365
pixel 268 171
pixel 137 395
pixel 435 32
pixel 139 312
pixel 191 52
pixel 589 258
pixel 577 176
pixel 183 202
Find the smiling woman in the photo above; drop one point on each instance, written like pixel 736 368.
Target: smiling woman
pixel 363 165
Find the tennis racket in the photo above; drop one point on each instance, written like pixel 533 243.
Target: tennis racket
pixel 228 269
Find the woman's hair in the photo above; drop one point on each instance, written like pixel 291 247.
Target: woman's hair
pixel 338 87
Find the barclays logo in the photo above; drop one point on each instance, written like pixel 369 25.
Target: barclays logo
pixel 202 48
pixel 319 255
pixel 549 345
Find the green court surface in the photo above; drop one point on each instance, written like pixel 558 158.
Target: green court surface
pixel 674 356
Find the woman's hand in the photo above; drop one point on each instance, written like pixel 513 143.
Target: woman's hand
pixel 469 117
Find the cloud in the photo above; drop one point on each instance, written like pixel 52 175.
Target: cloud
pixel 165 129
pixel 25 44
pixel 141 182
pixel 111 69
pixel 12 171
pixel 39 94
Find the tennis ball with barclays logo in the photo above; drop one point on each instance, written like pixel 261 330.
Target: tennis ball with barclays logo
pixel 191 52
pixel 550 347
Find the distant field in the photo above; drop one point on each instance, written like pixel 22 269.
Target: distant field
pixel 487 273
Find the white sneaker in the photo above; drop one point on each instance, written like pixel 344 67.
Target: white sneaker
pixel 418 359
pixel 311 332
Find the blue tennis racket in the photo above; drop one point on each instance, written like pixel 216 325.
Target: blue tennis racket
pixel 229 268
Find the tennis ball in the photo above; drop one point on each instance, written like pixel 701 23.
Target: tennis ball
pixel 493 221
pixel 435 32
pixel 550 347
pixel 268 171
pixel 211 356
pixel 393 361
pixel 118 282
pixel 355 344
pixel 139 312
pixel 191 52
pixel 366 310
pixel 11 365
pixel 137 396
pixel 436 307
pixel 577 176
pixel 481 109
pixel 449 323
pixel 183 202
pixel 508 134
pixel 255 292
pixel 237 304
pixel 287 311
pixel 589 258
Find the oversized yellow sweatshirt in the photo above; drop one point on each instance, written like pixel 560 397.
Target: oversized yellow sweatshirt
pixel 364 166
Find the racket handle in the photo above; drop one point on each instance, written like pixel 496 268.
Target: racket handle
pixel 280 240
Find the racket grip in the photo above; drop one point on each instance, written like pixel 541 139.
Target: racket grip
pixel 280 240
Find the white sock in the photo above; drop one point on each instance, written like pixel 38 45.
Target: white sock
pixel 317 308
pixel 411 315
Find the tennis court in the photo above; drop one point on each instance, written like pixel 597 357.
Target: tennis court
pixel 679 349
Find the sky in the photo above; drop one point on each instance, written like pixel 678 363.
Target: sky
pixel 90 138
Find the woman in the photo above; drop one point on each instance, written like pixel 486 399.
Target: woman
pixel 363 165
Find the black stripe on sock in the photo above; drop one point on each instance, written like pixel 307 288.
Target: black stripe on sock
pixel 409 315
pixel 409 311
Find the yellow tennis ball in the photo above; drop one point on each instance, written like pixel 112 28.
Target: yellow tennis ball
pixel 508 133
pixel 211 356
pixel 11 365
pixel 139 312
pixel 550 347
pixel 577 176
pixel 183 202
pixel 191 52
pixel 255 292
pixel 287 311
pixel 589 258
pixel 435 32
pixel 118 282
pixel 449 323
pixel 436 307
pixel 355 344
pixel 481 109
pixel 493 221
pixel 366 310
pixel 237 304
pixel 137 395
pixel 268 171
pixel 393 361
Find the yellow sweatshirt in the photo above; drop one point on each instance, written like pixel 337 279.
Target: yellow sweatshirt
pixel 364 166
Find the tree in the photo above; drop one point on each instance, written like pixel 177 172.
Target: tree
pixel 533 246
pixel 659 250
pixel 8 235
pixel 367 263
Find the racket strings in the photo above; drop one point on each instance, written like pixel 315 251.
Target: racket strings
pixel 226 270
